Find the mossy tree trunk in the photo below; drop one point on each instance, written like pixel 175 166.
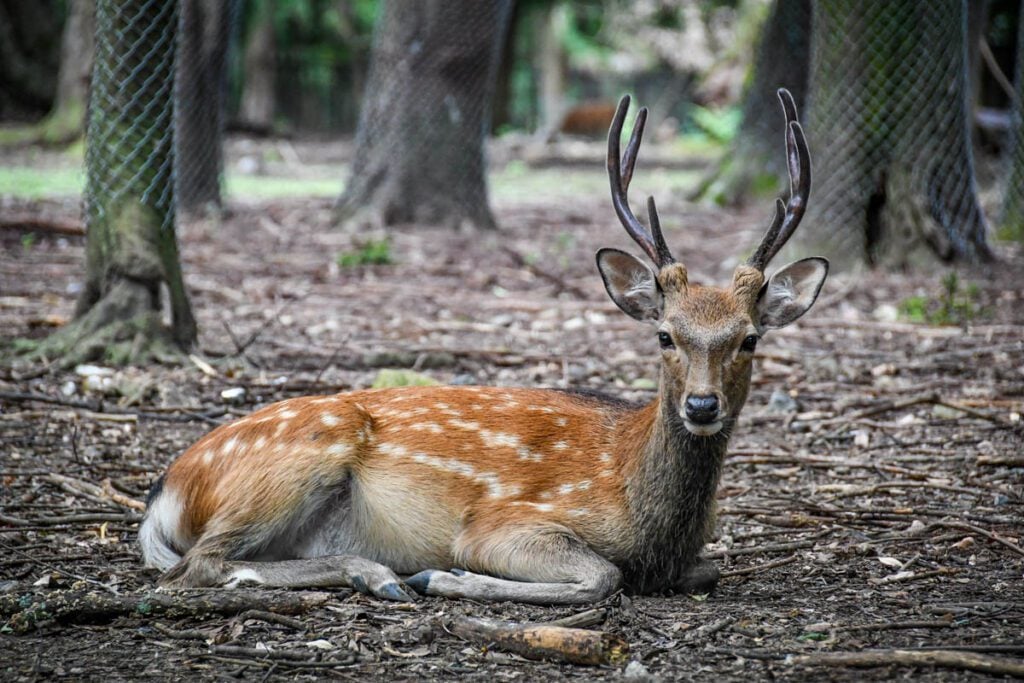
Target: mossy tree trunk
pixel 419 154
pixel 888 128
pixel 131 247
pixel 1012 222
pixel 755 163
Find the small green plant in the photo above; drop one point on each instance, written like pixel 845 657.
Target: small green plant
pixel 370 253
pixel 956 305
pixel 28 240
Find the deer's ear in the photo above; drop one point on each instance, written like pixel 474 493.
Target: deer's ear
pixel 790 292
pixel 630 283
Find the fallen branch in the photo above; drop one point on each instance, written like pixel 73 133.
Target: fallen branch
pixel 581 620
pixel 27 611
pixel 40 224
pixel 951 659
pixel 760 567
pixel 576 645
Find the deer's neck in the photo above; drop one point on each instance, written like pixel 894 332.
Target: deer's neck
pixel 670 490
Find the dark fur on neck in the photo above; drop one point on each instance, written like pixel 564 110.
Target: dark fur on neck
pixel 672 499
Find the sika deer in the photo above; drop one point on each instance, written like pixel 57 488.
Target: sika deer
pixel 498 494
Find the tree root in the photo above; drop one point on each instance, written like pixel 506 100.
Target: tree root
pixel 122 328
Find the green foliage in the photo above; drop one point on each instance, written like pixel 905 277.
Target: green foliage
pixel 718 124
pixel 955 305
pixel 370 253
pixel 28 240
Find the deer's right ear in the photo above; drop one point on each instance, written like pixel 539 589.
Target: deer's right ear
pixel 631 284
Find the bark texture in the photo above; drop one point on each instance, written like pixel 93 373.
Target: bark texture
pixel 131 248
pixel 756 164
pixel 887 124
pixel 420 143
pixel 200 90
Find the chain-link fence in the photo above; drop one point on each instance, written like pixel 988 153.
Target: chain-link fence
pixel 425 113
pixel 206 33
pixel 889 130
pixel 130 153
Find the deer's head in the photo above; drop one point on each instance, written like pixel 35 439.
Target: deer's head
pixel 708 334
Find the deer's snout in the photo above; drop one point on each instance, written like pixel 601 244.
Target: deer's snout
pixel 702 410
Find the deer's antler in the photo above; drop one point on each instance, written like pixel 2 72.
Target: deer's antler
pixel 620 173
pixel 788 215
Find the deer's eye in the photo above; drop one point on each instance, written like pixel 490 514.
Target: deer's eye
pixel 749 344
pixel 665 339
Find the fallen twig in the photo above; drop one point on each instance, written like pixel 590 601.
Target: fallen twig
pixel 27 611
pixel 576 645
pixel 41 224
pixel 581 620
pixel 946 658
pixel 760 567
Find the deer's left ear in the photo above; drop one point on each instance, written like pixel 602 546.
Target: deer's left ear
pixel 790 292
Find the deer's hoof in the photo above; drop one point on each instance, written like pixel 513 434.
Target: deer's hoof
pixel 700 579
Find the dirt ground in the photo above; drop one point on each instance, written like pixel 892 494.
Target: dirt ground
pixel 871 501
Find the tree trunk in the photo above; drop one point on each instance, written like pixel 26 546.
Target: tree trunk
pixel 66 121
pixel 1012 223
pixel 131 249
pixel 756 163
pixel 200 90
pixel 256 111
pixel 419 154
pixel 29 56
pixel 888 130
pixel 551 66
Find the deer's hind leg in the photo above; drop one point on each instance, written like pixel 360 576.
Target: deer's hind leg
pixel 235 549
pixel 543 563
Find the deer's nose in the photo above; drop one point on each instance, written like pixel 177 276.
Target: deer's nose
pixel 702 409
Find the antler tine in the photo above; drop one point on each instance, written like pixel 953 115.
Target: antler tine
pixel 620 173
pixel 788 215
pixel 664 255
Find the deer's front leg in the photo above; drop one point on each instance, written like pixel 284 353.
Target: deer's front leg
pixel 544 565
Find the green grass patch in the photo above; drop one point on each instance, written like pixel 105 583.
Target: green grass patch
pixel 955 305
pixel 369 253
pixel 37 183
pixel 275 187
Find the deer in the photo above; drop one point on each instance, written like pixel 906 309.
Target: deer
pixel 531 495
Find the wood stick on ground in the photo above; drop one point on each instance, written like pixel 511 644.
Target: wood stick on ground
pixel 952 659
pixel 760 567
pixel 27 611
pixel 40 224
pixel 575 645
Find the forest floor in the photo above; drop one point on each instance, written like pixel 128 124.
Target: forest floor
pixel 872 500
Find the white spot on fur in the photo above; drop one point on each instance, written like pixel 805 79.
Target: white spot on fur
pixel 560 445
pixel 339 448
pixel 528 455
pixel 229 446
pixel 207 456
pixel 605 457
pixel 431 427
pixel 329 420
pixel 465 424
pixel 281 426
pixel 542 507
pixel 561 422
pixel 578 512
pixel 259 443
pixel 287 414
